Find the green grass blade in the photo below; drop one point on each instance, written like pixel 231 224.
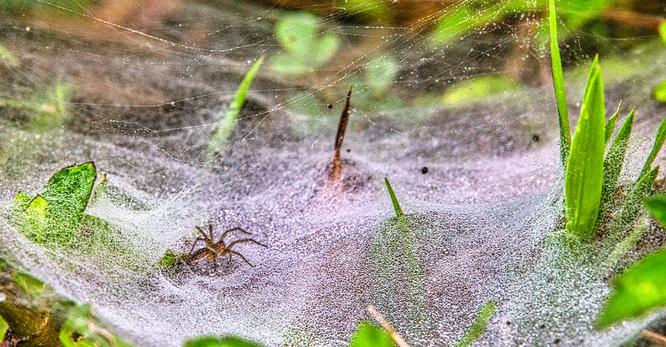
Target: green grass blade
pixel 656 147
pixel 612 121
pixel 615 159
pixel 558 84
pixel 632 205
pixel 394 199
pixel 640 289
pixel 656 205
pixel 478 328
pixel 585 167
pixel 226 126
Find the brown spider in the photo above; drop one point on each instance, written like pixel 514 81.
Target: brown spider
pixel 214 250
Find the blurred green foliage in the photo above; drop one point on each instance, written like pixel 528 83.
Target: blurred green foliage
pixel 638 290
pixel 478 87
pixel 30 284
pixel 226 341
pixel 20 6
pixel 7 57
pixel 304 47
pixel 467 16
pixel 370 335
pixel 3 328
pixel 46 110
pixel 82 330
pixel 478 328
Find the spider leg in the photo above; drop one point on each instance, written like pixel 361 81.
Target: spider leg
pixel 246 241
pixel 210 231
pixel 240 255
pixel 194 244
pixel 226 232
pixel 202 232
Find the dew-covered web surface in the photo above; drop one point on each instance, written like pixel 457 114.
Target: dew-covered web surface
pixel 144 108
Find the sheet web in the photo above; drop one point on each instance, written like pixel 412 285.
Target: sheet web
pixel 478 179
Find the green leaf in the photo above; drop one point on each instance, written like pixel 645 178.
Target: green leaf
pixel 53 216
pixel 612 121
pixel 615 159
pixel 662 31
pixel 28 283
pixel 50 108
pixel 660 92
pixel 585 167
pixel 82 330
pixel 558 85
pixel 478 328
pixel 370 335
pixel 227 341
pixel 637 291
pixel 3 328
pixel 226 127
pixel 394 199
pixel 656 205
pixel 656 147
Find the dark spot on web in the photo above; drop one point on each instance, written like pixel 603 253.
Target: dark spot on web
pixel 330 106
pixel 557 341
pixel 536 138
pixel 424 170
pixel 348 150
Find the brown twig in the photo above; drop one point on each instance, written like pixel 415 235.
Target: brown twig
pixel 654 337
pixel 633 19
pixel 387 326
pixel 336 165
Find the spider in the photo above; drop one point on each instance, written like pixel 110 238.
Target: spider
pixel 214 250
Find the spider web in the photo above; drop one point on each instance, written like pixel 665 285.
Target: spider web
pixel 147 93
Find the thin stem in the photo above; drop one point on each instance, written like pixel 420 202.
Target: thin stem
pixel 387 326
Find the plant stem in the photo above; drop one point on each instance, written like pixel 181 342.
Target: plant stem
pixel 336 164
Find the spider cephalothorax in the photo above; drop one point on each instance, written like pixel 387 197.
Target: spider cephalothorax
pixel 213 250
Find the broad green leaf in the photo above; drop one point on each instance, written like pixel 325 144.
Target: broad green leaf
pixel 558 85
pixel 370 335
pixel 657 207
pixel 226 126
pixel 612 121
pixel 7 57
pixel 82 330
pixel 615 159
pixel 637 291
pixel 632 204
pixel 656 147
pixel 28 283
pixel 478 328
pixel 286 65
pixel 53 216
pixel 227 341
pixel 660 92
pixel 3 328
pixel 585 167
pixel 394 199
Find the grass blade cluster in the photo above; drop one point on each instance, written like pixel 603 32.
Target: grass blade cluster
pixel 656 147
pixel 585 166
pixel 612 121
pixel 226 126
pixel 558 84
